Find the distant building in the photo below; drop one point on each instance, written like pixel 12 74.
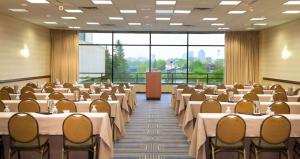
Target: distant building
pixel 201 55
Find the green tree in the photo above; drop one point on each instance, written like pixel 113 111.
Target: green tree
pixel 108 61
pixel 161 65
pixel 120 63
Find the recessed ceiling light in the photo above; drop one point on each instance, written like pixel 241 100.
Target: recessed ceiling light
pixel 134 24
pixel 291 12
pixel 115 18
pixel 92 23
pixel 182 11
pixel 51 23
pixel 68 18
pixel 37 1
pixel 292 3
pixel 163 18
pixel 24 4
pixel 230 3
pixel 176 24
pixel 165 2
pixel 102 2
pixel 223 28
pixel 74 27
pixel 260 24
pixel 164 11
pixel 73 10
pixel 259 18
pixel 250 28
pixel 128 11
pixel 237 12
pixel 217 24
pixel 18 10
pixel 211 19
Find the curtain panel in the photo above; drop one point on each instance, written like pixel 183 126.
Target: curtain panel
pixel 64 55
pixel 241 57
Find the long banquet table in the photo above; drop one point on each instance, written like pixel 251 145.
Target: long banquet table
pixel 51 127
pixel 206 127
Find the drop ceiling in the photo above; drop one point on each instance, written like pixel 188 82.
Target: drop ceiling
pixel 146 14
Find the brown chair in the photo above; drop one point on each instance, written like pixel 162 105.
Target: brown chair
pixel 211 106
pixel 280 90
pixel 32 85
pixel 49 84
pixel 274 133
pixel 65 104
pixel 298 100
pixel 73 89
pixel 121 89
pixel 209 91
pixel 238 86
pixel 56 96
pixel 244 107
pixel 230 134
pixel 85 95
pixel 29 105
pixel 280 108
pixel 257 90
pixel 4 95
pixel 127 85
pixel 221 86
pixel 97 90
pixel 2 106
pixel 275 86
pixel 280 97
pixel 114 89
pixel 251 96
pixel 297 148
pixel 199 86
pixel 27 95
pixel 188 90
pixel 8 89
pixel 87 85
pixel 259 86
pixel 296 92
pixel 78 135
pixel 222 97
pixel 68 85
pixel 24 135
pixel 196 96
pixel 107 85
pixel 27 88
pixel 48 89
pixel 1 148
pixel 234 90
pixel 105 96
pixel 181 86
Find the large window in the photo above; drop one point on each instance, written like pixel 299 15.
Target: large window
pixel 125 57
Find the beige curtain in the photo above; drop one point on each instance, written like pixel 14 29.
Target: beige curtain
pixel 64 55
pixel 241 57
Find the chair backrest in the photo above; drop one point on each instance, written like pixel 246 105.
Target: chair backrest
pixel 298 100
pixel 257 90
pixel 196 96
pixel 49 84
pixel 7 89
pixel 238 86
pixel 114 89
pixel 209 91
pixel 77 128
pixel 210 106
pixel 101 105
pixel 65 104
pixel 234 90
pixel 2 106
pixel 280 108
pixel 181 86
pixel 27 95
pixel 56 96
pixel 107 85
pixel 85 95
pixel 27 88
pixel 275 129
pixel 199 86
pixel 87 85
pixel 127 85
pixel 296 92
pixel 97 90
pixel 230 129
pixel 275 86
pixel 32 85
pixel 28 105
pixel 259 86
pixel 280 90
pixel 73 89
pixel 188 90
pixel 280 97
pixel 251 96
pixel 244 107
pixel 221 86
pixel 121 89
pixel 67 85
pixel 223 97
pixel 4 95
pixel 48 89
pixel 105 95
pixel 23 128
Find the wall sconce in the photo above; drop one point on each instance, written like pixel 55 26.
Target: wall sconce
pixel 25 51
pixel 285 54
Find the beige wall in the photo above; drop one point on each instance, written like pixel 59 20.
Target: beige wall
pixel 15 35
pixel 280 52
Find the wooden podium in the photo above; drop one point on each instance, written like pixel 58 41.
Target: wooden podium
pixel 153 85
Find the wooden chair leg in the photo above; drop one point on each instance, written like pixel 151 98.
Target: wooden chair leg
pixel 256 154
pixel 19 155
pixel 41 154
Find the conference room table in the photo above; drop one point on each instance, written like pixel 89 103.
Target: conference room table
pixel 193 108
pixel 206 127
pixel 122 97
pixel 51 126
pixel 82 106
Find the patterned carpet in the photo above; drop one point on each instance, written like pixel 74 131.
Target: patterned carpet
pixel 152 133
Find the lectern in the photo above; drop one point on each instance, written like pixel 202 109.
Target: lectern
pixel 153 85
